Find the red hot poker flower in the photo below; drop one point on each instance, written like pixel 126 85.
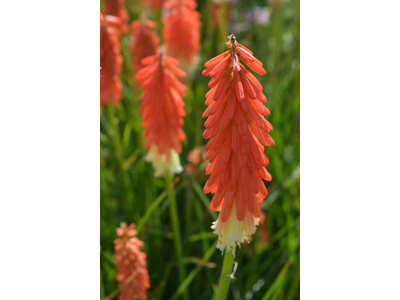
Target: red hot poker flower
pixel 182 31
pixel 195 158
pixel 162 112
pixel 238 133
pixel 145 42
pixel 215 12
pixel 131 263
pixel 110 61
pixel 117 8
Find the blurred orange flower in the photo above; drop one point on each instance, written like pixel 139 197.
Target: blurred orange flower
pixel 182 31
pixel 215 13
pixel 162 112
pixel 238 133
pixel 154 5
pixel 144 41
pixel 195 158
pixel 117 8
pixel 131 263
pixel 263 228
pixel 110 61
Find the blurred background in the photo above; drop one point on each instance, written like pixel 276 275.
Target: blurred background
pixel 268 267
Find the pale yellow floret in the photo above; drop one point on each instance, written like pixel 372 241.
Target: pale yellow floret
pixel 234 232
pixel 162 164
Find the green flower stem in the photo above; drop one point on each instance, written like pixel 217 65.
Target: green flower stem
pixel 173 212
pixel 224 280
pixel 118 149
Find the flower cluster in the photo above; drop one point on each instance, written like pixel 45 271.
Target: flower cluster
pixel 238 133
pixel 110 61
pixel 162 112
pixel 117 8
pixel 144 41
pixel 131 263
pixel 181 31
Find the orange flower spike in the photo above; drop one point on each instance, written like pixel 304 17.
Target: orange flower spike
pixel 132 273
pixel 238 133
pixel 182 31
pixel 117 8
pixel 110 61
pixel 145 42
pixel 162 112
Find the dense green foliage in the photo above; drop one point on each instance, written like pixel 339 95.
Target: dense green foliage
pixel 266 270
